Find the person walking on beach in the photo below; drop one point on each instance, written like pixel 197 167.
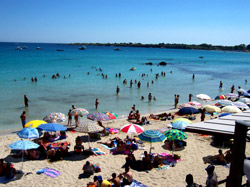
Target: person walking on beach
pixel 23 118
pixel 69 117
pixel 190 97
pixel 26 101
pixel 176 100
pixel 96 103
pixel 117 90
pixel 203 114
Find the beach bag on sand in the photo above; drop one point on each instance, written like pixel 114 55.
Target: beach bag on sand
pixel 177 156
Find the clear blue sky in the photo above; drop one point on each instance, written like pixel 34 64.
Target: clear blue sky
pixel 223 22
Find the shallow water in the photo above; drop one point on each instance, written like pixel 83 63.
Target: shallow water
pixel 81 90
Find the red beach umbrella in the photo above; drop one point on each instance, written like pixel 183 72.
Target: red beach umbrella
pixel 132 128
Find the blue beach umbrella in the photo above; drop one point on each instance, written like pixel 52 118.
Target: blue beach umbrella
pixel 188 110
pixel 225 114
pixel 151 136
pixel 52 127
pixel 180 125
pixel 28 133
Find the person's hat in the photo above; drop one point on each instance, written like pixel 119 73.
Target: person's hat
pixel 99 178
pixel 209 167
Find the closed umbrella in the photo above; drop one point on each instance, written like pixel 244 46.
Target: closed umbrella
pixel 52 127
pixel 151 136
pixel 188 110
pixel 34 123
pixel 55 117
pixel 28 133
pixel 211 108
pixel 89 127
pixel 180 125
pixel 231 109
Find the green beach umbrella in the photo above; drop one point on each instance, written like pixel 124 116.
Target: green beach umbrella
pixel 175 134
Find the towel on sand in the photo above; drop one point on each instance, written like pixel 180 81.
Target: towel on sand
pixel 137 184
pixel 49 171
pixel 98 151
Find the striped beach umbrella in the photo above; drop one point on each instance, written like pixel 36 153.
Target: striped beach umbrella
pixel 224 103
pixel 132 128
pixel 182 119
pixel 175 134
pixel 240 105
pixel 98 116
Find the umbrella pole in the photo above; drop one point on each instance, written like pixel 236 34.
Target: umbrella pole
pixel 22 160
pixel 150 148
pixel 89 141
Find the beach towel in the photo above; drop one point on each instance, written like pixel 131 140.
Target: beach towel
pixel 49 171
pixel 107 147
pixel 163 167
pixel 98 152
pixel 135 183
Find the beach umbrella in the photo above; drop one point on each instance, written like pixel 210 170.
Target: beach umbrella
pixel 175 134
pixel 182 119
pixel 232 95
pixel 220 97
pixel 211 108
pixel 132 128
pixel 184 105
pixel 111 115
pixel 23 145
pixel 240 105
pixel 52 127
pixel 79 112
pixel 180 125
pixel 248 91
pixel 55 117
pixel 188 110
pixel 28 133
pixel 98 116
pixel 194 103
pixel 151 136
pixel 225 114
pixel 246 94
pixel 89 127
pixel 241 91
pixel 34 123
pixel 231 109
pixel 224 103
pixel 203 97
pixel 245 100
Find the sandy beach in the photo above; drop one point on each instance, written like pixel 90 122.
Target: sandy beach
pixel 71 167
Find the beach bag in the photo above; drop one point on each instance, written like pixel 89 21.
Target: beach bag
pixel 177 156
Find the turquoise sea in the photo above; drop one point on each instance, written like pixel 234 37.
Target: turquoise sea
pixel 48 95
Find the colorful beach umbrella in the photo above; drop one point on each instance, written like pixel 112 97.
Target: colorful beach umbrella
pixel 111 115
pixel 79 112
pixel 220 97
pixel 231 109
pixel 224 103
pixel 211 108
pixel 232 95
pixel 195 103
pixel 180 125
pixel 151 136
pixel 245 100
pixel 28 133
pixel 203 97
pixel 132 128
pixel 55 117
pixel 175 134
pixel 240 105
pixel 182 119
pixel 89 127
pixel 98 116
pixel 188 110
pixel 34 123
pixel 52 127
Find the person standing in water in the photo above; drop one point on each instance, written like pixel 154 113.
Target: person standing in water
pixel 26 101
pixel 117 90
pixel 96 103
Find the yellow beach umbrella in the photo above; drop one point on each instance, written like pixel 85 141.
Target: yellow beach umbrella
pixel 211 108
pixel 34 123
pixel 182 119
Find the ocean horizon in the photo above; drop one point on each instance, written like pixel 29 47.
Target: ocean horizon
pixel 49 95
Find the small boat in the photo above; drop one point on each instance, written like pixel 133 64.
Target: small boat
pixel 133 69
pixel 18 48
pixel 82 48
pixel 117 49
pixel 59 49
pixel 24 47
pixel 39 48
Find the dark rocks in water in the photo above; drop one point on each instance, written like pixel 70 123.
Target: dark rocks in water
pixel 163 63
pixel 149 63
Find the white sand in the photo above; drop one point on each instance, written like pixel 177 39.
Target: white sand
pixel 70 168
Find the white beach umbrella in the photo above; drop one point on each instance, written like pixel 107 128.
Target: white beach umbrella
pixel 241 90
pixel 231 109
pixel 203 97
pixel 245 100
pixel 211 108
